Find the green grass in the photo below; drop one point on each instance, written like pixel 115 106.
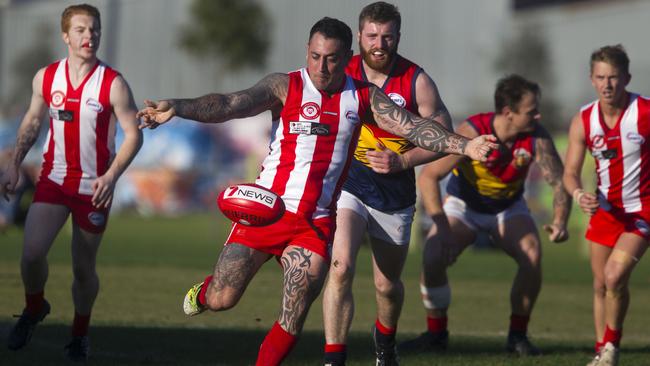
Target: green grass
pixel 147 264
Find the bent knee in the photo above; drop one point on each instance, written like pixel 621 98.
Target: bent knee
pixel 219 302
pixel 388 288
pixel 341 273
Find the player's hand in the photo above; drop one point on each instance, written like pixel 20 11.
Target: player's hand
pixel 384 160
pixel 155 113
pixel 556 233
pixel 103 188
pixel 9 181
pixel 479 148
pixel 587 201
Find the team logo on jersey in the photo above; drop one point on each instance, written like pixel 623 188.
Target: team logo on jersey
pixel 96 218
pixel 310 110
pixel 353 117
pixel 57 98
pixel 598 141
pixel 94 105
pixel 398 99
pixel 522 157
pixel 635 138
pixel 643 226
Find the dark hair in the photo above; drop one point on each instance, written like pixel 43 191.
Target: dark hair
pixel 78 9
pixel 510 91
pixel 380 12
pixel 335 29
pixel 613 55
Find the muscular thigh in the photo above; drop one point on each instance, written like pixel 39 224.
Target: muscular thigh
pixel 236 265
pixel 517 236
pixel 44 220
pixel 350 229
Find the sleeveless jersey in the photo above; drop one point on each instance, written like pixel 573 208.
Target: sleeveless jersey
pixel 385 192
pixel 622 154
pixel 492 186
pixel 312 144
pixel 80 143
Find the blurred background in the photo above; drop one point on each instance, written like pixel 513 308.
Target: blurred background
pixel 186 48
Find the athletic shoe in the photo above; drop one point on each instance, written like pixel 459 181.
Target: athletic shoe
pixel 24 329
pixel 191 305
pixel 426 342
pixel 520 344
pixel 77 350
pixel 608 355
pixel 386 353
pixel 594 361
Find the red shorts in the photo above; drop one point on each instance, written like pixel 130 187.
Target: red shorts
pixel 84 214
pixel 605 227
pixel 315 235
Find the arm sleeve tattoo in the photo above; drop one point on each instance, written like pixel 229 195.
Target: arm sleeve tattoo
pixel 267 94
pixel 552 169
pixel 423 132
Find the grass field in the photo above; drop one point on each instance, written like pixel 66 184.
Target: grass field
pixel 147 264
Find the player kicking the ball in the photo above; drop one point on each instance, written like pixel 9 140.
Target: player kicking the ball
pixel 317 113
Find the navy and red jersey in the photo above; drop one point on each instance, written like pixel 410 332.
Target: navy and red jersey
pixel 385 192
pixel 492 186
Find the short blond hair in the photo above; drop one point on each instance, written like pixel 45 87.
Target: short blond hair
pixel 78 9
pixel 613 55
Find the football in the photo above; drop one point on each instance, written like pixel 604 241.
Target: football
pixel 250 204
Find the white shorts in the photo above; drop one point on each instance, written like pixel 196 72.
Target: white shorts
pixel 392 227
pixel 478 221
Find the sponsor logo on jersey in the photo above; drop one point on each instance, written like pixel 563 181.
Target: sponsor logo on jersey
pixel 57 98
pixel 353 117
pixel 251 194
pixel 96 218
pixel 61 114
pixel 598 141
pixel 310 110
pixel 398 99
pixel 309 128
pixel 94 105
pixel 635 138
pixel 522 157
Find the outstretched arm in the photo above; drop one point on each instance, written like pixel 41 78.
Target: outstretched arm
pixel 549 161
pixel 425 132
pixel 27 136
pixel 268 94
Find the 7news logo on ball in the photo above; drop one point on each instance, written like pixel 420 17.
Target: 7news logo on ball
pixel 251 205
pixel 251 193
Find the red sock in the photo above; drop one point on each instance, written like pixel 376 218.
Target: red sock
pixel 598 347
pixel 276 346
pixel 519 323
pixel 612 336
pixel 204 289
pixel 335 348
pixel 436 325
pixel 34 302
pixel 385 330
pixel 80 325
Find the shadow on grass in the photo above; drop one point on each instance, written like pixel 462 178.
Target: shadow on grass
pixel 112 345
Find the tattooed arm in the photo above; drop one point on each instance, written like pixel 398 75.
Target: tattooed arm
pixel 268 94
pixel 425 132
pixel 549 161
pixel 27 135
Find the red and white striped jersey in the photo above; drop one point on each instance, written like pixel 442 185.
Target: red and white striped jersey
pixel 312 144
pixel 622 154
pixel 80 143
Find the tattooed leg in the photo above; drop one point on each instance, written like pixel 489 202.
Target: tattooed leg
pixel 233 272
pixel 304 274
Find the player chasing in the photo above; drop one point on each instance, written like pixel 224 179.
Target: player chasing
pixel 83 98
pixel 378 196
pixel 488 196
pixel 317 113
pixel 615 129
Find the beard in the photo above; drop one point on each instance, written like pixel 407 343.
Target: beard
pixel 379 65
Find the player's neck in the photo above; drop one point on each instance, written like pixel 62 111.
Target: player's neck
pixel 503 130
pixel 78 68
pixel 376 76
